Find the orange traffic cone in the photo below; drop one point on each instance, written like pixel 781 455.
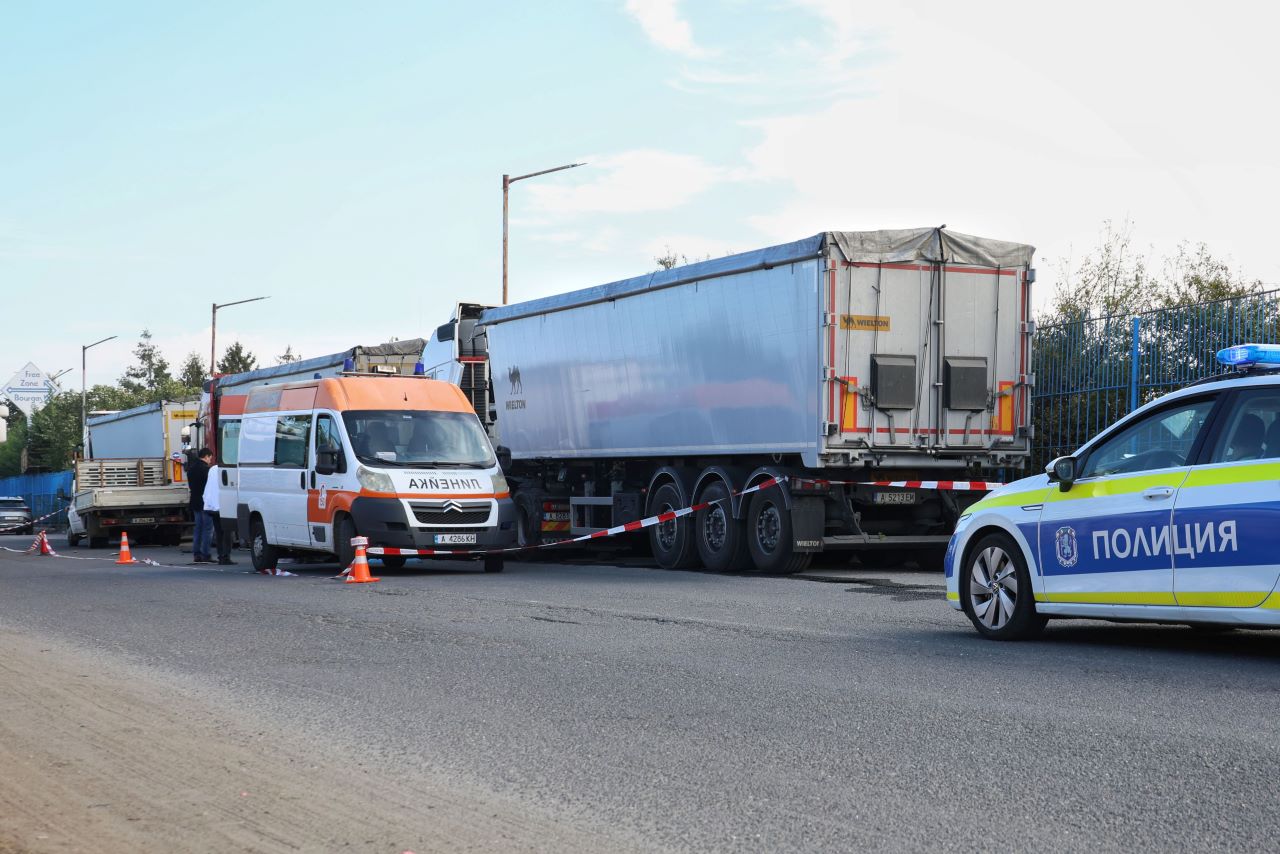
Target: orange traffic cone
pixel 45 548
pixel 358 573
pixel 125 555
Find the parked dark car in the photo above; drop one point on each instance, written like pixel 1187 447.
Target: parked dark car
pixel 15 516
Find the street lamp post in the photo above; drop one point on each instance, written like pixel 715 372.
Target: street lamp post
pixel 213 331
pixel 84 393
pixel 507 181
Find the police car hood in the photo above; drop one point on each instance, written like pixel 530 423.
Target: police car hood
pixel 1026 484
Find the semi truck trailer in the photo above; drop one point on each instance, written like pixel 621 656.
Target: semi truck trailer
pixel 831 364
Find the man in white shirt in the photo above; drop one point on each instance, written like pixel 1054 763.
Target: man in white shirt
pixel 221 538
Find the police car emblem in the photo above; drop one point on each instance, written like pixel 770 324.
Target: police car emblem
pixel 1065 540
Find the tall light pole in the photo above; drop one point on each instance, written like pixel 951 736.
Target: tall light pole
pixel 84 394
pixel 213 332
pixel 507 181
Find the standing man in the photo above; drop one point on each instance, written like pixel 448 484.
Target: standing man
pixel 197 478
pixel 212 509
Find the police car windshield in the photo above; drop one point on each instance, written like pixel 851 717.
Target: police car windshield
pixel 398 438
pixel 12 504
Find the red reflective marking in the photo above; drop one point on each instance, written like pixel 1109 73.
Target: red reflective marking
pixel 633 526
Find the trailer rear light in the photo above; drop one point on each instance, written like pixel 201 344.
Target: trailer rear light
pixel 809 485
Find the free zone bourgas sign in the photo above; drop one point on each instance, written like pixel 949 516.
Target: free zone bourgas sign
pixel 28 389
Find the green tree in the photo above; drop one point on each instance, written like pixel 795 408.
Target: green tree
pixel 191 375
pixel 149 378
pixel 237 360
pixel 11 449
pixel 288 357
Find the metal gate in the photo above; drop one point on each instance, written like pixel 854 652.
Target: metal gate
pixel 1089 373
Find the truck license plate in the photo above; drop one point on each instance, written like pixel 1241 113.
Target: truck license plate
pixel 455 539
pixel 145 520
pixel 895 498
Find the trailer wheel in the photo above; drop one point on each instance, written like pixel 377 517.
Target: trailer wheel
pixel 769 536
pixel 672 542
pixel 721 540
pixel 263 553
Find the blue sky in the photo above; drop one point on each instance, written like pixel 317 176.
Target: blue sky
pixel 347 160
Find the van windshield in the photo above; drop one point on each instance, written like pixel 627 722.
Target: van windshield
pixel 398 438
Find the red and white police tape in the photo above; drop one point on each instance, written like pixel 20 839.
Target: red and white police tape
pixel 670 515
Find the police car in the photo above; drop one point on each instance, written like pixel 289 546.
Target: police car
pixel 1170 515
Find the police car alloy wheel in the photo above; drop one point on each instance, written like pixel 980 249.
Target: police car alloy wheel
pixel 995 589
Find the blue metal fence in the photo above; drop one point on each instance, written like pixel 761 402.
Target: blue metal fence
pixel 41 494
pixel 1091 372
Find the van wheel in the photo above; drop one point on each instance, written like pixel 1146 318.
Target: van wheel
pixel 769 536
pixel 263 553
pixel 673 541
pixel 73 540
pixel 995 590
pixel 494 563
pixel 393 561
pixel 721 540
pixel 343 531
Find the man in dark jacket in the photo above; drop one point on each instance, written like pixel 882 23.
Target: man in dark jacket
pixel 197 477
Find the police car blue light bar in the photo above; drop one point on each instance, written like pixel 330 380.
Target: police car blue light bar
pixel 1244 355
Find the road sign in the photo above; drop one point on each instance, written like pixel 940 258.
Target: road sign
pixel 28 389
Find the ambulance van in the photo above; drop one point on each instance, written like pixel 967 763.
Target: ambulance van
pixel 402 461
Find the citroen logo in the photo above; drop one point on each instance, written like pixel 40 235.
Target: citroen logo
pixel 452 506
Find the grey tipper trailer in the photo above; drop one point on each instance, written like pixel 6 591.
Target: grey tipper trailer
pixel 847 356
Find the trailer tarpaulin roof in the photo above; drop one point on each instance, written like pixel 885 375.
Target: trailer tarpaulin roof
pixel 930 245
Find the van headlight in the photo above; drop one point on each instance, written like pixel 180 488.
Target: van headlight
pixel 374 481
pixel 500 484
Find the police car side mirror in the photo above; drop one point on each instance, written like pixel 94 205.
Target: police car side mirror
pixel 1062 471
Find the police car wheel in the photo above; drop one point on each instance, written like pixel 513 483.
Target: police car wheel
pixel 995 590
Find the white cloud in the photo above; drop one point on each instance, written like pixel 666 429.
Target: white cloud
pixel 665 27
pixel 627 182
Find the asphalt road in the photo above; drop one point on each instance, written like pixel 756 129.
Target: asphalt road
pixel 702 712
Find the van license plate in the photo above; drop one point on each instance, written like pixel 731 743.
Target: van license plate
pixel 895 498
pixel 455 539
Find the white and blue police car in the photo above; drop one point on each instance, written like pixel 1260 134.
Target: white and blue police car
pixel 1170 515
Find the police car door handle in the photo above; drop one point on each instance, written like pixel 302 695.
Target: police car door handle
pixel 1157 492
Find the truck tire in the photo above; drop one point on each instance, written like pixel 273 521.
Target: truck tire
pixel 264 554
pixel 73 540
pixel 672 542
pixel 721 539
pixel 528 519
pixel 769 536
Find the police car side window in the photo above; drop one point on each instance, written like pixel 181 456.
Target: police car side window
pixel 1251 430
pixel 1161 440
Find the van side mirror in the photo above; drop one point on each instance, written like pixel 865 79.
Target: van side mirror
pixel 504 457
pixel 1062 471
pixel 330 461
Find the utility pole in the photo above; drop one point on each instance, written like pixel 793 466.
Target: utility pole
pixel 507 181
